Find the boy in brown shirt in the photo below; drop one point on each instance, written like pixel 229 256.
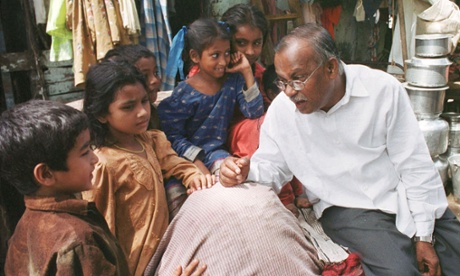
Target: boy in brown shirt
pixel 45 154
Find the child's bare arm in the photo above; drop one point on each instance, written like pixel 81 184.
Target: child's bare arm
pixel 201 166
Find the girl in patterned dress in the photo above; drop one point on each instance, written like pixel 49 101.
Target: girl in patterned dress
pixel 197 115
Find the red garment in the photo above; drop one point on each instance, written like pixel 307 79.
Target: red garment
pixel 349 267
pixel 243 138
pixel 330 18
pixel 258 74
pixel 290 191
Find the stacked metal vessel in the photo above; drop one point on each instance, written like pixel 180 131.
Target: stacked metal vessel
pixel 452 155
pixel 426 84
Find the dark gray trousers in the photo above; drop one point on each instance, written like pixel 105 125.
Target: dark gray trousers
pixel 382 248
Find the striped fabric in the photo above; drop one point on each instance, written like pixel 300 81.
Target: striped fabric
pixel 243 230
pixel 156 31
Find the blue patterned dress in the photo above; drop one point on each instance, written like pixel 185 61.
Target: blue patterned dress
pixel 197 124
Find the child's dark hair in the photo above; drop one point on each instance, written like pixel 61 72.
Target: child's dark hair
pixel 201 34
pixel 242 14
pixel 37 132
pixel 129 53
pixel 103 81
pixel 268 79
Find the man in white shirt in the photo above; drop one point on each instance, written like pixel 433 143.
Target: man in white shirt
pixel 348 133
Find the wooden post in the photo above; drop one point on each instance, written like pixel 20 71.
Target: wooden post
pixel 38 81
pixel 402 30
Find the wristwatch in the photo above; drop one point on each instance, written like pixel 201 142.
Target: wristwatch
pixel 428 239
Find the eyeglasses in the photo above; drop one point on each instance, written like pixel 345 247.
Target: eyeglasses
pixel 297 85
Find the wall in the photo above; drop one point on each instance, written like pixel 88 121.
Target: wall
pixel 352 37
pixel 215 8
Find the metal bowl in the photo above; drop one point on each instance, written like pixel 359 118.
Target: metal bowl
pixel 426 102
pixel 428 72
pixel 432 45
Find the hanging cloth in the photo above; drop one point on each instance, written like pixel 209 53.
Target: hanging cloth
pixel 61 37
pixel 330 18
pixel 175 62
pixel 96 28
pixel 443 17
pixel 130 17
pixel 156 32
pixel 359 12
pixel 40 11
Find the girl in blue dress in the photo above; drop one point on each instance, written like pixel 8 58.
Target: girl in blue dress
pixel 197 115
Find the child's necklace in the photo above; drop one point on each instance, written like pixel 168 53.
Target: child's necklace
pixel 132 151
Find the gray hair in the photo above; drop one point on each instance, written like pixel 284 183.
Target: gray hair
pixel 318 38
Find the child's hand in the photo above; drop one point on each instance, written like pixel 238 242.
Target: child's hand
pixel 239 63
pixel 192 267
pixel 201 182
pixel 291 207
pixel 302 202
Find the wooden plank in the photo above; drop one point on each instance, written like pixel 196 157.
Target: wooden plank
pixel 67 97
pixel 280 17
pixel 45 61
pixel 7 85
pixel 11 62
pixel 61 88
pixel 58 74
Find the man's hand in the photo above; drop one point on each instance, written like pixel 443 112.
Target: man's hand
pixel 428 262
pixel 233 171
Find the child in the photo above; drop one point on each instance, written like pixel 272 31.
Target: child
pixel 45 154
pixel 197 115
pixel 249 29
pixel 128 179
pixel 144 60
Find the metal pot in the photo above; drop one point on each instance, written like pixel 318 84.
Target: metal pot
pixel 453 119
pixel 426 102
pixel 442 166
pixel 436 133
pixel 450 151
pixel 428 72
pixel 454 166
pixel 432 45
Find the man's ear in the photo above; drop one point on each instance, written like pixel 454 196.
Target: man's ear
pixel 333 68
pixel 44 175
pixel 194 56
